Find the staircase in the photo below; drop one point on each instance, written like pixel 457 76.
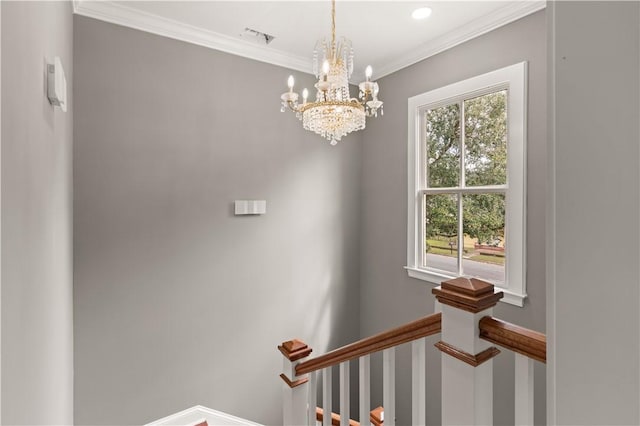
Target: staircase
pixel 468 333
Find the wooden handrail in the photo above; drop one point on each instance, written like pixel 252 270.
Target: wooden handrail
pixel 532 344
pixel 423 327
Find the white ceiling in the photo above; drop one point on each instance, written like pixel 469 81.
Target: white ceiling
pixel 383 33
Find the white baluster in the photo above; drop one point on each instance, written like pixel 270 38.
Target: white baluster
pixel 524 390
pixel 418 382
pixel 389 386
pixel 326 396
pixel 313 398
pixel 365 389
pixel 345 413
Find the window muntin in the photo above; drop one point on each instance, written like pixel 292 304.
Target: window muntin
pixel 467 160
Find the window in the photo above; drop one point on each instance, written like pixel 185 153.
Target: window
pixel 466 186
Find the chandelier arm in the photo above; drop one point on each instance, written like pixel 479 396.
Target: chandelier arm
pixel 293 106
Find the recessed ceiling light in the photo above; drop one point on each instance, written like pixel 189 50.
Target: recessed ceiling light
pixel 422 13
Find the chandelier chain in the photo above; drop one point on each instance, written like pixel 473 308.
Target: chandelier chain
pixel 333 27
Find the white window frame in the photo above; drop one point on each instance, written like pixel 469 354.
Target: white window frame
pixel 514 79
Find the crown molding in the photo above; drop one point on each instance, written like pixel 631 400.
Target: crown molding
pixel 503 16
pixel 120 14
pixel 117 13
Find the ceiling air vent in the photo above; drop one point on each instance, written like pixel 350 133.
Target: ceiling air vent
pixel 256 36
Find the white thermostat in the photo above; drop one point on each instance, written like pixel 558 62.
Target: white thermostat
pixel 250 207
pixel 57 84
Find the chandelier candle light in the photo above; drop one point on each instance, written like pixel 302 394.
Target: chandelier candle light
pixel 334 113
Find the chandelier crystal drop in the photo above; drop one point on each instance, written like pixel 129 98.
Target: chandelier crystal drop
pixel 334 113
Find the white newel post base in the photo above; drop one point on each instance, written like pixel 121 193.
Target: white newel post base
pixel 294 388
pixel 467 393
pixel 467 365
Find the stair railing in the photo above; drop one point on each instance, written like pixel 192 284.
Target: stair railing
pixel 300 375
pixel 467 331
pixel 529 346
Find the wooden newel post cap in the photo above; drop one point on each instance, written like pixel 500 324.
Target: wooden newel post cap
pixel 294 349
pixel 469 294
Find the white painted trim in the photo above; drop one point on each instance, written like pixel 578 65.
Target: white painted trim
pixel 345 395
pixel 327 399
pixel 193 415
pixel 503 16
pixel 389 386
pixel 514 78
pixel 120 14
pixel 418 382
pixel 364 385
pixel 524 390
pixel 428 275
pixel 312 397
pixel 117 13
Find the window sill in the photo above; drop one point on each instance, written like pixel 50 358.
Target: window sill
pixel 436 278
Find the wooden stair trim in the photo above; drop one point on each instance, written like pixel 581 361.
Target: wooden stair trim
pixel 469 294
pixel 529 343
pixel 472 360
pixel 293 384
pixel 472 287
pixel 294 349
pixel 414 330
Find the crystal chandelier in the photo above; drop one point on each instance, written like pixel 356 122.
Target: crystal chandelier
pixel 334 113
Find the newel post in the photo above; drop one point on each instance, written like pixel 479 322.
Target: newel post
pixel 294 388
pixel 467 364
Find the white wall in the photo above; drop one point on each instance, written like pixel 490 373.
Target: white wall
pixel 37 328
pixel 593 255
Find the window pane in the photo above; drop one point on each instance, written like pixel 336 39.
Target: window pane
pixel 485 127
pixel 443 146
pixel 441 226
pixel 484 237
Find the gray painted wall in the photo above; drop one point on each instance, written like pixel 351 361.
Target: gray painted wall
pixel 177 301
pixel 388 296
pixel 594 246
pixel 37 329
